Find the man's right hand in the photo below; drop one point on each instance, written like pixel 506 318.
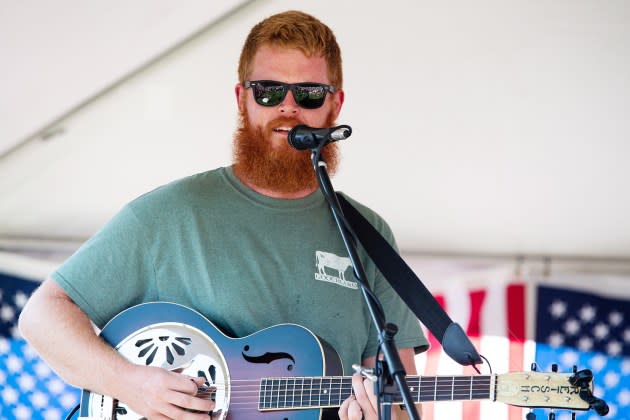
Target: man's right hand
pixel 161 394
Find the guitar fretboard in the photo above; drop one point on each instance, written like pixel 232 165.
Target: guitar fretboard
pixel 331 391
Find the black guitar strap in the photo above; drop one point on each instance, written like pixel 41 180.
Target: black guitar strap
pixel 410 288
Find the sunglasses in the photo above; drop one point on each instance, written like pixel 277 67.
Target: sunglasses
pixel 306 94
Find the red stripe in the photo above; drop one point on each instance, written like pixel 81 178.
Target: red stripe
pixel 515 308
pixel 476 302
pixel 515 295
pixel 472 409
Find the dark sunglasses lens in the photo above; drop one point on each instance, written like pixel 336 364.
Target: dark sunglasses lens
pixel 267 94
pixel 309 96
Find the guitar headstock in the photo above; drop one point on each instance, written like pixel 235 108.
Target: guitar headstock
pixel 570 391
pixel 540 390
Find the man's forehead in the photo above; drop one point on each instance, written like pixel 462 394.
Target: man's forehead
pixel 292 64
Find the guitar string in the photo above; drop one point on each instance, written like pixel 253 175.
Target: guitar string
pixel 253 401
pixel 421 379
pixel 316 401
pixel 310 388
pixel 296 394
pixel 293 383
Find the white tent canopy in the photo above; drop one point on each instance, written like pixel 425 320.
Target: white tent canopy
pixel 485 128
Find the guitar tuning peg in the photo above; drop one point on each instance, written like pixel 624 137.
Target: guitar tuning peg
pixel 552 415
pixel 573 415
pixel 554 367
pixel 599 406
pixel 530 416
pixel 534 367
pixel 581 378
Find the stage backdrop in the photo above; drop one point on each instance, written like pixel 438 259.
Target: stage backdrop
pixel 514 319
pixel 564 319
pixel 29 389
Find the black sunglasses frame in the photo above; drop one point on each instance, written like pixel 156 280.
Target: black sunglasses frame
pixel 304 103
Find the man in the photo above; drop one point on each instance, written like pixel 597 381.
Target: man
pixel 238 244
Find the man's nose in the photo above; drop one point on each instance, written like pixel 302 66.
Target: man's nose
pixel 288 106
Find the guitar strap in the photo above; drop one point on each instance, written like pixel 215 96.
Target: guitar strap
pixel 410 288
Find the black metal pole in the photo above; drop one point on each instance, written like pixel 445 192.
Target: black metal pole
pixel 388 347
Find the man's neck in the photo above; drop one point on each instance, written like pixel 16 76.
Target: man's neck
pixel 269 192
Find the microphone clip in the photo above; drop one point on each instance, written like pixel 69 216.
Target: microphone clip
pixel 303 137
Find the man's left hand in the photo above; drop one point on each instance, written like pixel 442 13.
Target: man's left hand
pixel 361 405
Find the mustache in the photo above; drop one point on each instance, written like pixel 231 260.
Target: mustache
pixel 283 122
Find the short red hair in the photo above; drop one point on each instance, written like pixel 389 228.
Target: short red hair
pixel 293 30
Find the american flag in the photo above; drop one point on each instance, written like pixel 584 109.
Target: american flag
pixel 514 322
pixel 29 389
pixel 587 329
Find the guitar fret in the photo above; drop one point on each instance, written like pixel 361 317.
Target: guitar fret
pixel 482 386
pixel 318 390
pixel 275 393
pixel 325 391
pixel 261 393
pixel 414 386
pixel 338 387
pixel 311 397
pixel 269 394
pixel 436 388
pixel 290 393
pixel 442 392
pixel 279 394
pixel 270 389
pixel 331 391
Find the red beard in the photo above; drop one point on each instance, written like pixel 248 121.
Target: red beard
pixel 282 168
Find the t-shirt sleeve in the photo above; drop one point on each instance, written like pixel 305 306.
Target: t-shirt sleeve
pixel 112 271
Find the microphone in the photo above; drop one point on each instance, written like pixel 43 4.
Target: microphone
pixel 303 137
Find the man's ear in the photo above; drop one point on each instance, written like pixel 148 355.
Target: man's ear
pixel 338 98
pixel 239 90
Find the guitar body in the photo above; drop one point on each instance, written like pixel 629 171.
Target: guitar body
pixel 173 337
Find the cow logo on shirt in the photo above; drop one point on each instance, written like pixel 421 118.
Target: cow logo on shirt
pixel 333 268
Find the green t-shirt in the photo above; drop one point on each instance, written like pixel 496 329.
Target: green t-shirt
pixel 243 260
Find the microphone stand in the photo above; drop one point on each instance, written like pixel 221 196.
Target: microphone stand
pixel 391 366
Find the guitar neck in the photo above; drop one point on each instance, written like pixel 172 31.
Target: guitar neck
pixel 331 391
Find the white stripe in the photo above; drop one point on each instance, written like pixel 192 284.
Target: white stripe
pixel 458 307
pixel 494 345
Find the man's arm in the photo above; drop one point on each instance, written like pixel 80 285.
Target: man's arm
pixel 65 338
pixel 363 404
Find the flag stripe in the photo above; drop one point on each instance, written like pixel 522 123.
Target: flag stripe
pixel 472 409
pixel 515 315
